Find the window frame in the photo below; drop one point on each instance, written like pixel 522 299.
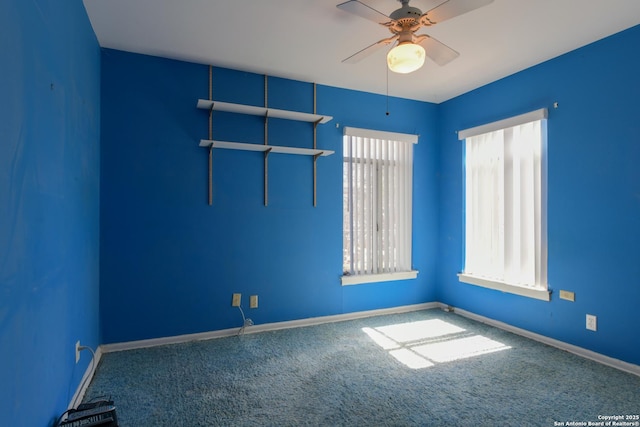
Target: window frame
pixel 538 292
pixel 348 278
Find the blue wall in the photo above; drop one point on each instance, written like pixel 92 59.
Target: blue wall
pixel 170 262
pixel 593 198
pixel 49 205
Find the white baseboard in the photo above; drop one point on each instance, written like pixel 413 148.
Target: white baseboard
pixel 86 380
pixel 130 345
pixel 579 351
pixel 339 317
pixel 588 354
pixel 177 339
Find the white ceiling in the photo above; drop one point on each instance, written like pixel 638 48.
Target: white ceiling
pixel 307 39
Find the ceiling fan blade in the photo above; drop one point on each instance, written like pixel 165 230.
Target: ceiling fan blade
pixel 356 57
pixel 358 8
pixel 439 52
pixel 450 9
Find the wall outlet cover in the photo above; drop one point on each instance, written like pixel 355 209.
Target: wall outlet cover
pixel 235 300
pixel 592 322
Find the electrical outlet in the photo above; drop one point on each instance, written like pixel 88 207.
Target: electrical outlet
pixel 253 301
pixel 77 351
pixel 235 300
pixel 592 322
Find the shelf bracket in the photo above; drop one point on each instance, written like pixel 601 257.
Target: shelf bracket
pixel 211 135
pixel 315 176
pixel 266 113
pixel 211 175
pixel 266 128
pixel 266 176
pixel 315 140
pixel 211 156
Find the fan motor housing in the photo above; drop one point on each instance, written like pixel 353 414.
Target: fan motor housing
pixel 406 12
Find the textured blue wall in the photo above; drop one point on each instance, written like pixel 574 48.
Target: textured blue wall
pixel 170 262
pixel 49 205
pixel 593 198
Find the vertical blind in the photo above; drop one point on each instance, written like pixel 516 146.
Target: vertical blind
pixel 377 180
pixel 504 219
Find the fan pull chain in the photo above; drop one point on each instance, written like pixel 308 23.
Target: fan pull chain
pixel 387 113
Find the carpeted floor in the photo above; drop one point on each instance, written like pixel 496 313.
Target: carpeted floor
pixel 424 368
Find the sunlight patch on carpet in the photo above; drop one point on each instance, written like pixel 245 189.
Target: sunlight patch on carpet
pixel 421 330
pixel 448 351
pixel 425 343
pixel 411 359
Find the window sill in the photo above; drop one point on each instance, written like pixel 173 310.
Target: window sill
pixel 541 294
pixel 373 278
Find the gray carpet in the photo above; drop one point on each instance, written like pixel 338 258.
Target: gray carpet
pixel 355 373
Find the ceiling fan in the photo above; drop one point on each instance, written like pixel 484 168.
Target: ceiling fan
pixel 409 53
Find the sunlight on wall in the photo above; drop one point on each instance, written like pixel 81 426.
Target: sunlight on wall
pixel 424 343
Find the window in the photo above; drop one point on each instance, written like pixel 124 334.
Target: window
pixel 377 191
pixel 505 205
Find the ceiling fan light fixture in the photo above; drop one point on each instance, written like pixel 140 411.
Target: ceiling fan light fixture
pixel 406 58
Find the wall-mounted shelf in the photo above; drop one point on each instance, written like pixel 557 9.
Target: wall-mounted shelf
pixel 274 113
pixel 267 113
pixel 261 147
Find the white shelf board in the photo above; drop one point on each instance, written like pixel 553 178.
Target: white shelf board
pixel 260 147
pixel 206 104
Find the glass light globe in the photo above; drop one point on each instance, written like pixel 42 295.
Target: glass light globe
pixel 405 58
